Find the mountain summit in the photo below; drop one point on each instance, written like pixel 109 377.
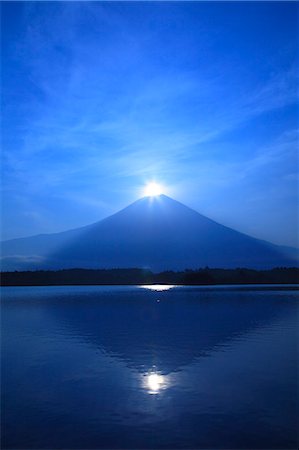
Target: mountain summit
pixel 154 232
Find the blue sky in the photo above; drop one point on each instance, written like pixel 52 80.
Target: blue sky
pixel 99 98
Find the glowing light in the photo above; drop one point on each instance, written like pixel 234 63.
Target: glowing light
pixel 154 382
pixel 153 189
pixel 158 287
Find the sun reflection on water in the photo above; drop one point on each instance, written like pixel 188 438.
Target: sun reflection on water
pixel 154 382
pixel 158 287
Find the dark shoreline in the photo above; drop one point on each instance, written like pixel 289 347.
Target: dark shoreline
pixel 117 277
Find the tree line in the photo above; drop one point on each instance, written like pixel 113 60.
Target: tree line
pixel 204 276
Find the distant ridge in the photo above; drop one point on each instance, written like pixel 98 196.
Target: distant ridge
pixel 156 233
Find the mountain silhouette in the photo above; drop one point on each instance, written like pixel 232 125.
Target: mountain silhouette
pixel 154 232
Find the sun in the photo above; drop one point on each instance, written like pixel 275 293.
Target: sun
pixel 153 189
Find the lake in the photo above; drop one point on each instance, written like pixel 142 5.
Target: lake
pixel 127 367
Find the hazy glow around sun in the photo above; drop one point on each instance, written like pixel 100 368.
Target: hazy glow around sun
pixel 152 189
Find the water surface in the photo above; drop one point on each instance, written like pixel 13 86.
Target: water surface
pixel 137 367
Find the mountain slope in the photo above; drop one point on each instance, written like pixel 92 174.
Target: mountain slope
pixel 158 233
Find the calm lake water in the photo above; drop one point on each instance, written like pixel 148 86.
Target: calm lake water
pixel 133 367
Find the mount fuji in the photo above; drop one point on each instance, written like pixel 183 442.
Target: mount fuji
pixel 158 233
